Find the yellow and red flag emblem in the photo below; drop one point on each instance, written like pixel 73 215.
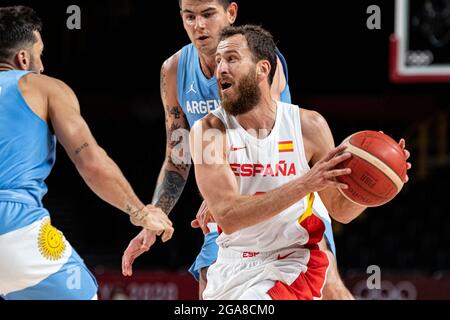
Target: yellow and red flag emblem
pixel 286 146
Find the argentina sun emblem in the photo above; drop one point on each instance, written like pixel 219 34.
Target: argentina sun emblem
pixel 50 242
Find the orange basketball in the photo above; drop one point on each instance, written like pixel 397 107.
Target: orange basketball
pixel 378 168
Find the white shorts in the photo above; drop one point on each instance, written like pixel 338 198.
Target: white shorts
pixel 36 260
pixel 287 274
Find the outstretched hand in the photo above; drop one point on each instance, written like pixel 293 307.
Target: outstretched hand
pixel 140 244
pixel 202 218
pixel 155 223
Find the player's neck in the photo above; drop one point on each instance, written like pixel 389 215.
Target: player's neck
pixel 208 65
pixel 262 118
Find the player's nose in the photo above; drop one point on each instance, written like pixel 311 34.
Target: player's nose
pixel 200 23
pixel 222 68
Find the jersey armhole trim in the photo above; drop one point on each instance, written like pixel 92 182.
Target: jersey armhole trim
pixel 299 137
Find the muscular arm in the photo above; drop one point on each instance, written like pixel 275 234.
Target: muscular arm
pixel 175 170
pixel 319 140
pixel 217 183
pixel 100 173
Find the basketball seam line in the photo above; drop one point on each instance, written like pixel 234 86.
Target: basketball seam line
pixel 353 201
pixel 377 163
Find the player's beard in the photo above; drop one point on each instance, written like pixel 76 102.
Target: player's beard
pixel 249 94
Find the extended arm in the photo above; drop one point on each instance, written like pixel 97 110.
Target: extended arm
pixel 175 169
pixel 98 170
pixel 233 211
pixel 319 140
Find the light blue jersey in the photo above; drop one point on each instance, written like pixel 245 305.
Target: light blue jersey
pixel 27 147
pixel 36 261
pixel 198 96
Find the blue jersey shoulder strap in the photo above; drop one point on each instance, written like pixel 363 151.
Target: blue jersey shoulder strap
pixel 197 94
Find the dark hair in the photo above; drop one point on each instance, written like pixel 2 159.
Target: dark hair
pixel 225 3
pixel 260 42
pixel 17 25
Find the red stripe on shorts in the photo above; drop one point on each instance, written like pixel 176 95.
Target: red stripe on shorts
pixel 309 284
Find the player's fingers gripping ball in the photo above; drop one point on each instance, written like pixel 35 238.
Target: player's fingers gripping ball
pixel 378 166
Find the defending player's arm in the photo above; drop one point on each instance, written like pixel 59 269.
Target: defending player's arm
pixel 217 183
pixel 97 169
pixel 279 82
pixel 175 170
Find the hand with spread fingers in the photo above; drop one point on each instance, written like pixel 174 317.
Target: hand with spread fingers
pixel 322 175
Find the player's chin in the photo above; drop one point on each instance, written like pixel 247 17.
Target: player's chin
pixel 206 47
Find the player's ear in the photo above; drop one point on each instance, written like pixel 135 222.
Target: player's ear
pixel 263 69
pixel 232 12
pixel 23 60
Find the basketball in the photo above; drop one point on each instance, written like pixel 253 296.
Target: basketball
pixel 378 168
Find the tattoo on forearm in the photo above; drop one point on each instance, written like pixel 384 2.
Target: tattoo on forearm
pixel 175 120
pixel 169 191
pixel 128 209
pixel 174 127
pixel 180 166
pixel 173 143
pixel 79 149
pixel 175 112
pixel 163 84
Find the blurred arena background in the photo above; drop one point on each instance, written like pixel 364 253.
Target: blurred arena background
pixel 337 66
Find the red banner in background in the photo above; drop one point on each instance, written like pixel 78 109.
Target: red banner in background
pixel 182 286
pixel 147 286
pixel 400 288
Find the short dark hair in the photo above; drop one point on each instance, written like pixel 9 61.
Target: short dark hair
pixel 17 25
pixel 225 3
pixel 260 42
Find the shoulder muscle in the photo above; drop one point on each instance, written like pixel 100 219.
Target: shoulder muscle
pixel 317 135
